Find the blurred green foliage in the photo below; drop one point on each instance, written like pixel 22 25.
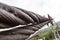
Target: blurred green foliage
pixel 48 33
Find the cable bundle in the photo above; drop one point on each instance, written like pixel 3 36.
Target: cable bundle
pixel 11 16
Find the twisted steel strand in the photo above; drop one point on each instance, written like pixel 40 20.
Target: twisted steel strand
pixel 12 16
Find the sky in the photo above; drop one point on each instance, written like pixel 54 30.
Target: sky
pixel 42 7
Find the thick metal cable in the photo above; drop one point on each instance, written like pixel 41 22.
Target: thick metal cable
pixel 11 17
